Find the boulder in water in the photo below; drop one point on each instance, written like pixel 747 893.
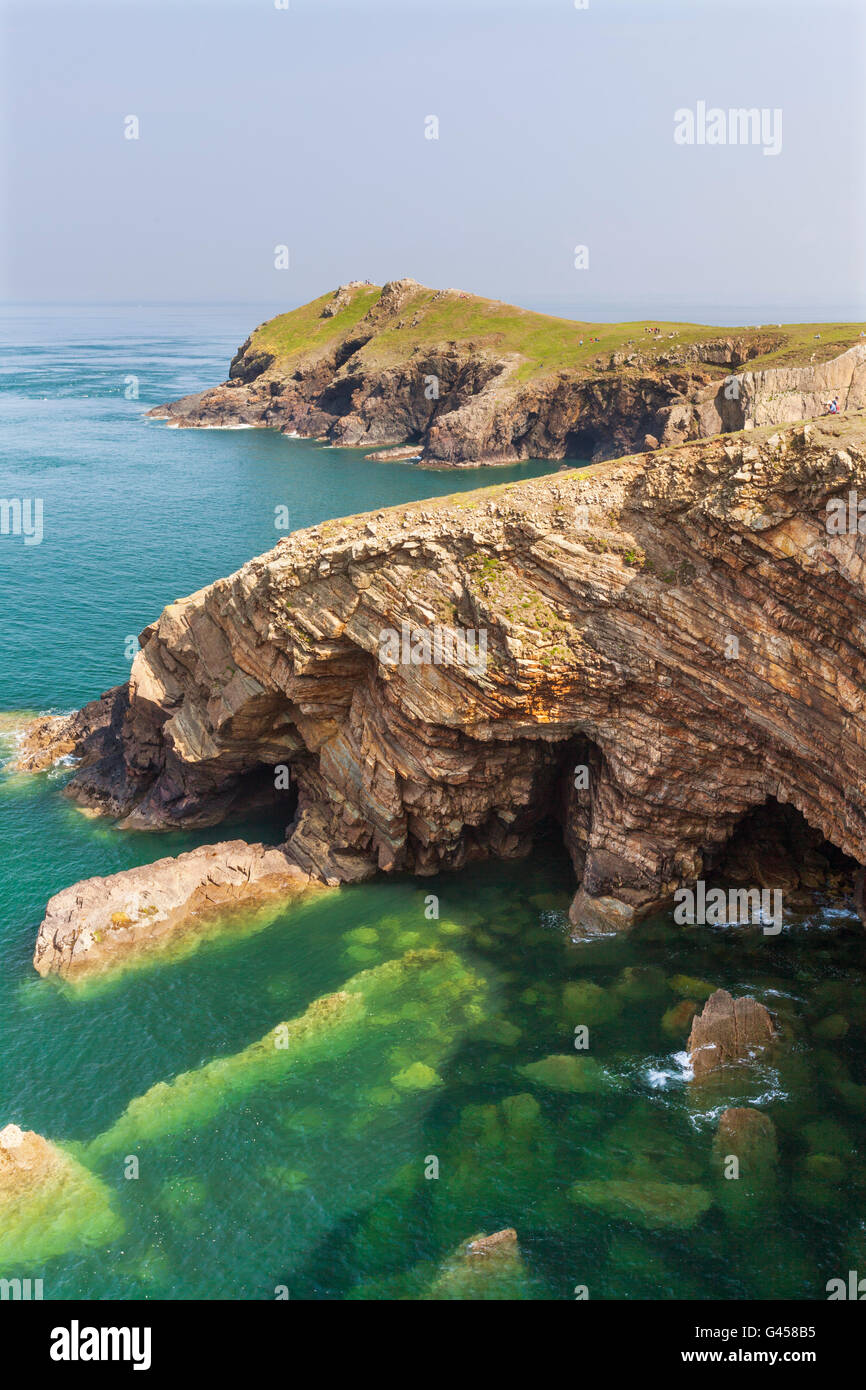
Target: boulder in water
pixel 728 1030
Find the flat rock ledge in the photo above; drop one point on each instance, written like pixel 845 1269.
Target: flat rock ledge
pixel 728 1030
pixel 101 922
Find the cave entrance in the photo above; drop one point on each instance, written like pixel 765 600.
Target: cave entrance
pixel 264 797
pixel 578 768
pixel 773 846
pixel 582 445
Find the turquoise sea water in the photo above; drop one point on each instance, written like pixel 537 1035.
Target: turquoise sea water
pixel 312 1171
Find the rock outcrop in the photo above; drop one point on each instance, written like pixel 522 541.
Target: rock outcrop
pixel 466 380
pixel 728 1030
pixel 670 640
pixel 101 922
pixel 87 733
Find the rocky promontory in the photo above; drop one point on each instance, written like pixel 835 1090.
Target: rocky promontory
pixel 644 651
pixel 100 922
pixel 453 379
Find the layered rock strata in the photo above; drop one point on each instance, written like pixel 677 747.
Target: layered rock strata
pixel 670 640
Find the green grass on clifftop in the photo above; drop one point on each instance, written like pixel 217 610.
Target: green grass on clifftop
pixel 429 320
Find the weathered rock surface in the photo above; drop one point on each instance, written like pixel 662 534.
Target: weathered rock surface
pixel 100 922
pixel 368 382
pixel 25 1157
pixel 479 1247
pixel 86 733
pixel 728 1030
pixel 608 597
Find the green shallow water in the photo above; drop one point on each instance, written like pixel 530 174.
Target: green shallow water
pixel 309 1169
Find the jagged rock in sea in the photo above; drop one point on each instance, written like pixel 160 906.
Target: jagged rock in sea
pixel 669 641
pixel 728 1030
pixel 466 380
pixel 101 922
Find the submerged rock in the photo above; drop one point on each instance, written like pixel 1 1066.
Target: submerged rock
pixel 728 1030
pixel 691 988
pixel 745 1158
pixel 822 1181
pixel 677 1020
pixel 565 1073
pixel 831 1028
pixel 102 922
pixel 750 1136
pixel 417 1077
pixel 584 1002
pixel 640 982
pixel 652 1205
pixel 49 1202
pixel 637 1269
pixel 355 1016
pixel 499 1031
pixel 483 1267
pixel 645 1144
pixel 498 1159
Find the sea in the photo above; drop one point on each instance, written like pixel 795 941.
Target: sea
pixel 489 1073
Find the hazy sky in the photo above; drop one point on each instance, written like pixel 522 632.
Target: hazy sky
pixel 305 126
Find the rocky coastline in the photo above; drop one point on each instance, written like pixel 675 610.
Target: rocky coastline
pixel 451 380
pixel 674 642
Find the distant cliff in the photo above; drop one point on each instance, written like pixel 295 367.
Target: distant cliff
pixel 460 380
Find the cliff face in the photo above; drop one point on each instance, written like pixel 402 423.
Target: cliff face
pixel 465 380
pixel 680 625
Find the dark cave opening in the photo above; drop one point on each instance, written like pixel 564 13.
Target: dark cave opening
pixel 268 795
pixel 774 846
pixel 583 444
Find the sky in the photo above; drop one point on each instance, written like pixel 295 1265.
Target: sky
pixel 307 127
